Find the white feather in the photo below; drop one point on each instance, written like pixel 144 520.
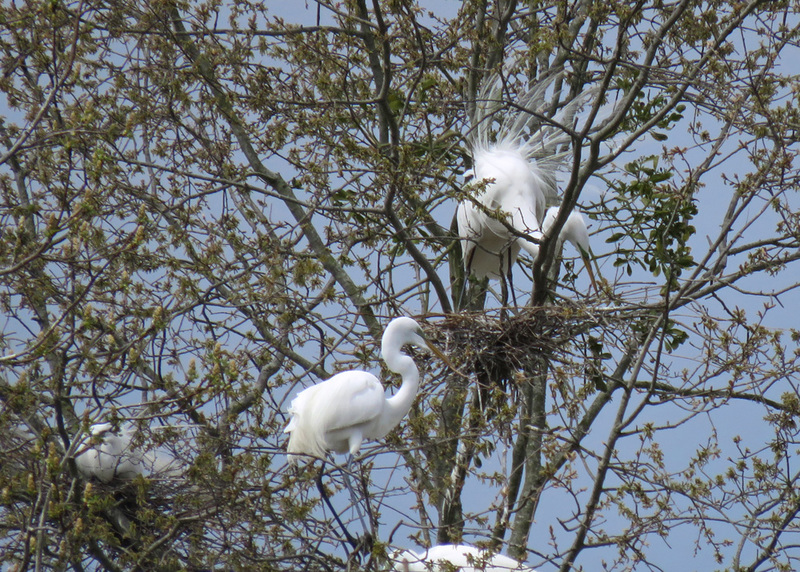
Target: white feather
pixel 464 558
pixel 518 172
pixel 108 455
pixel 346 404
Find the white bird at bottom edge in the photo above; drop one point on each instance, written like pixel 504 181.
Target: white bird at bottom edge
pixel 465 558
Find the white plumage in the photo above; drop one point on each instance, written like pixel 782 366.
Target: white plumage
pixel 575 232
pixel 447 557
pixel 350 407
pixel 489 247
pixel 110 455
pixel 519 174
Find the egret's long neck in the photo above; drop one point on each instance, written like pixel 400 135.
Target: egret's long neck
pixel 398 405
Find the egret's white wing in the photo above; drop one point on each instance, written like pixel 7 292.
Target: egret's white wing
pixel 90 465
pixel 348 399
pixel 468 229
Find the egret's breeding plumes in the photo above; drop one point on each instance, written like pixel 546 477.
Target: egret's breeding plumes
pixel 341 412
pixel 455 557
pixel 518 176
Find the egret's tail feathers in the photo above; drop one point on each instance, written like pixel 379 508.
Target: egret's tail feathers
pixel 305 443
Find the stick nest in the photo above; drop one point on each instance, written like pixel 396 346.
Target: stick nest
pixel 495 350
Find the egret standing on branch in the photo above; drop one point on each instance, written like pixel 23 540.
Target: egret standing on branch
pixel 340 413
pixel 519 174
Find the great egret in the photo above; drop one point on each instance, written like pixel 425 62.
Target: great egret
pixel 450 556
pixel 110 455
pixel 518 175
pixel 340 413
pixel 576 233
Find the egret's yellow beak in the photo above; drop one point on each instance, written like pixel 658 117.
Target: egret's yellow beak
pixel 438 353
pixel 589 270
pixel 587 261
